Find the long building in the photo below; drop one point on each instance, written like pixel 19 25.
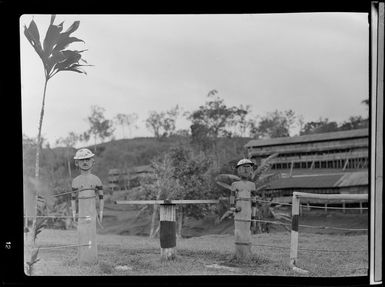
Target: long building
pixel 334 162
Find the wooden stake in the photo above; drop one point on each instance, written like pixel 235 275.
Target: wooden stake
pixel 343 206
pixel 167 232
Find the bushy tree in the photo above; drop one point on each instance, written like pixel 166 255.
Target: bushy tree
pixel 162 124
pixel 320 126
pixel 178 175
pixel 69 142
pixel 274 124
pixel 214 120
pixel 100 127
pixel 126 120
pixel 354 122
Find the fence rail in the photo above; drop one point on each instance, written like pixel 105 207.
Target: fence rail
pixel 207 201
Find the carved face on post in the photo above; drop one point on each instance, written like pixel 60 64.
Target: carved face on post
pixel 245 171
pixel 85 164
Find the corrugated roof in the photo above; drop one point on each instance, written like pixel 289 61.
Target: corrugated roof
pixel 142 168
pixel 308 181
pixel 321 180
pixel 310 138
pixel 354 179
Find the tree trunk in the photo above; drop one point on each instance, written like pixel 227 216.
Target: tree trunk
pixel 153 220
pixel 95 143
pixel 38 146
pixel 37 162
pixel 69 166
pixel 179 219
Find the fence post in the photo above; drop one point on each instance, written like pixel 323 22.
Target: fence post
pixel 167 232
pixel 294 230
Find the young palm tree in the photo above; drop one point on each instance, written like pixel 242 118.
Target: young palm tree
pixel 55 58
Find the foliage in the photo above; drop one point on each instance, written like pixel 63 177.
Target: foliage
pixel 274 124
pixel 40 224
pixel 69 142
pixel 178 175
pixel 261 177
pixel 322 126
pixel 214 120
pixel 162 124
pixel 34 259
pixel 126 120
pixel 354 122
pixel 53 53
pixel 217 118
pixel 100 127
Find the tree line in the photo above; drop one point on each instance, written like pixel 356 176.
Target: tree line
pixel 208 123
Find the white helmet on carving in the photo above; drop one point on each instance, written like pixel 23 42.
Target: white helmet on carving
pixel 244 162
pixel 83 153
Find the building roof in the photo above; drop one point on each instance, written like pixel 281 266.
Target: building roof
pixel 354 179
pixel 328 180
pixel 141 169
pixel 357 133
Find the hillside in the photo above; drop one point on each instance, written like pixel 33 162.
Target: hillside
pixel 122 153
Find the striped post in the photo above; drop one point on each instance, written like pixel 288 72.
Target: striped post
pixel 167 232
pixel 254 216
pixel 294 230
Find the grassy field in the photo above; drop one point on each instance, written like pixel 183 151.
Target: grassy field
pixel 140 255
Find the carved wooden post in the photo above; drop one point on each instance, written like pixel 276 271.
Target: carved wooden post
pixel 242 220
pixel 167 232
pixel 87 228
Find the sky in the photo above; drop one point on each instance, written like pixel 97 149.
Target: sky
pixel 315 64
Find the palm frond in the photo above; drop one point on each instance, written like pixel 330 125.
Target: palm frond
pixel 224 185
pixel 264 167
pixel 52 53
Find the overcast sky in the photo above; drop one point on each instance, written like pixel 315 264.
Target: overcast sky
pixel 313 63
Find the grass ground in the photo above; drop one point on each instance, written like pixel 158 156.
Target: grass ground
pixel 124 248
pixel 141 255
